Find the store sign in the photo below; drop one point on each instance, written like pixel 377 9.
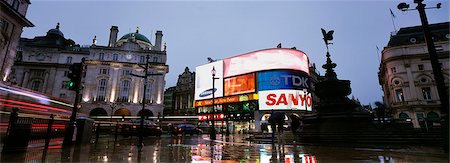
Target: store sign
pixel 203 81
pixel 274 80
pixel 217 101
pixel 209 117
pixel 267 59
pixel 285 100
pixel 240 84
pixel 225 100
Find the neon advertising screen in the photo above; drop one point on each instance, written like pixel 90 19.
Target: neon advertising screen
pixel 240 84
pixel 285 100
pixel 266 60
pixel 203 81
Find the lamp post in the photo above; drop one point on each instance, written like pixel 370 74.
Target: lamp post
pixel 438 77
pixel 146 74
pixel 213 129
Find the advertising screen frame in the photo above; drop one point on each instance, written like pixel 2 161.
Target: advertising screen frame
pixel 203 81
pixel 245 83
pixel 271 100
pixel 267 59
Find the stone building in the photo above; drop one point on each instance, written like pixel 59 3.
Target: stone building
pixel 406 76
pixel 183 95
pixel 108 87
pixel 12 20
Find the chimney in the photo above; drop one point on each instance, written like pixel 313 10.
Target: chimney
pixel 158 40
pixel 113 36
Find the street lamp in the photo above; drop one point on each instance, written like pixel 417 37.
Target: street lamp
pixel 146 74
pixel 213 129
pixel 439 78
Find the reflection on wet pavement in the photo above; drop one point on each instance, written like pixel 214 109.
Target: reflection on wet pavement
pixel 231 149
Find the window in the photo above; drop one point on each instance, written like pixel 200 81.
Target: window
pixel 126 72
pixel 148 92
pixel 155 59
pixel 115 57
pixel 403 116
pixel 124 91
pixel 62 95
pixel 104 71
pixel 142 59
pixel 15 4
pixel 64 85
pixel 66 73
pixel 38 73
pixel 399 95
pixel 4 25
pixel 426 92
pixel 101 56
pixel 69 60
pixel 393 70
pixel 35 85
pixel 420 67
pixel 101 89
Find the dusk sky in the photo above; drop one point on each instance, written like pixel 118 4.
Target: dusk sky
pixel 196 30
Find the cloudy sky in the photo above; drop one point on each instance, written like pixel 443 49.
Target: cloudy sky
pixel 196 30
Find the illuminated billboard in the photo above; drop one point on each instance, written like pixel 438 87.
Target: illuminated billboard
pixel 266 60
pixel 282 79
pixel 240 84
pixel 285 100
pixel 203 81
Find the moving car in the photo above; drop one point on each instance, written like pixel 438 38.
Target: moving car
pixel 186 129
pixel 132 128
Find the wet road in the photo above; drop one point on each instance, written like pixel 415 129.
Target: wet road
pixel 230 149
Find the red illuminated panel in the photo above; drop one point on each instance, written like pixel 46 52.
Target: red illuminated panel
pixel 240 84
pixel 266 60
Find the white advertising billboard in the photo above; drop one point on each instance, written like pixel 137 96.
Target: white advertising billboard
pixel 285 100
pixel 267 59
pixel 203 81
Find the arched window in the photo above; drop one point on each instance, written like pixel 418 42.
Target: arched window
pixel 98 112
pixel 403 116
pixel 101 56
pixel 433 116
pixel 115 57
pixel 148 92
pixel 142 59
pixel 35 85
pixel 101 89
pixel 69 60
pixel 124 91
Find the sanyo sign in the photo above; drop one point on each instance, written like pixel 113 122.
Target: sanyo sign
pixel 285 100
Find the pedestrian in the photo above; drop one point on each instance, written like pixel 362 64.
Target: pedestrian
pixel 295 123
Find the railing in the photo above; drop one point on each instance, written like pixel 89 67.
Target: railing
pixel 25 130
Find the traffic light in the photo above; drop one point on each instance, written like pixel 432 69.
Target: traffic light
pixel 74 76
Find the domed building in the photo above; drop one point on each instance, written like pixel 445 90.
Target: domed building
pixel 108 86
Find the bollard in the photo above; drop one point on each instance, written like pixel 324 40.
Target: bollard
pixel 115 134
pixel 18 135
pixel 97 132
pixel 12 121
pixel 49 130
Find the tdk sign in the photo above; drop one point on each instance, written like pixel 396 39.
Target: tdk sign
pixel 274 80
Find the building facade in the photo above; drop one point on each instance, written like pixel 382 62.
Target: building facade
pixel 248 88
pixel 12 20
pixel 406 76
pixel 108 86
pixel 180 98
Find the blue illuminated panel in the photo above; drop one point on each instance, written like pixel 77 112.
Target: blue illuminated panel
pixel 282 79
